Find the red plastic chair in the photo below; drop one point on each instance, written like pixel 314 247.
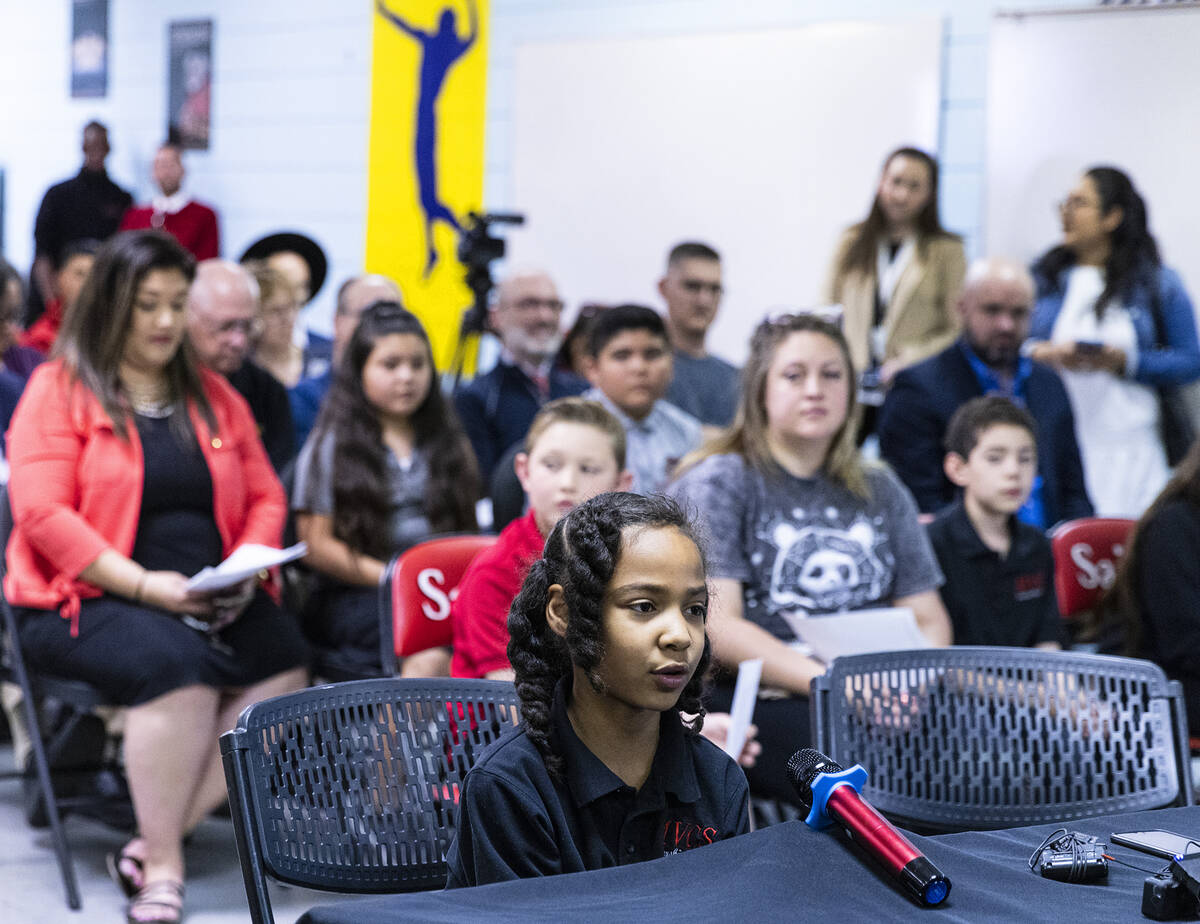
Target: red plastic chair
pixel 1086 554
pixel 418 588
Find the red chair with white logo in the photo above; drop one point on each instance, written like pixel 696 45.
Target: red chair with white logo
pixel 417 590
pixel 1086 555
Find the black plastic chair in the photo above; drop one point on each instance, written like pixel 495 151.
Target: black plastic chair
pixel 353 787
pixel 15 668
pixel 508 497
pixel 976 737
pixel 36 686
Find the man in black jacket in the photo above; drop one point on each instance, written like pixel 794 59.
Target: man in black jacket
pixel 995 306
pixel 497 408
pixel 88 206
pixel 223 317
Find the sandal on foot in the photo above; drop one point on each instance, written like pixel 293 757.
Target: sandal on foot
pixel 125 869
pixel 158 902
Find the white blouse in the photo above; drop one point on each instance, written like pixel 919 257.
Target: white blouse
pixel 1116 419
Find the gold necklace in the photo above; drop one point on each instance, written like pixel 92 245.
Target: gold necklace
pixel 153 400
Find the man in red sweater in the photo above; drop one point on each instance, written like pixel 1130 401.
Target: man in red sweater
pixel 174 211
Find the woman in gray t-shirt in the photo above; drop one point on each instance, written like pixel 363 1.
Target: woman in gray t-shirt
pixel 386 467
pixel 797 522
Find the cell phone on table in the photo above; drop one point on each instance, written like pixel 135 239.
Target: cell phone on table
pixel 1164 844
pixel 1088 346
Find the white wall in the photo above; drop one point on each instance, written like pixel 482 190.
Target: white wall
pixel 291 91
pixel 1058 105
pixel 965 70
pixel 716 136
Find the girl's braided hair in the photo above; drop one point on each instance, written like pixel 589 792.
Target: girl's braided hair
pixel 581 555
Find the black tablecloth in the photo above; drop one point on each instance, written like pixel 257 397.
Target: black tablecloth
pixel 788 871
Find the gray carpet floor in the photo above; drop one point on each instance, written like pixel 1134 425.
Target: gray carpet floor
pixel 31 889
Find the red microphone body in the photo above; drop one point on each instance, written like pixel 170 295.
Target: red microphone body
pixel 831 794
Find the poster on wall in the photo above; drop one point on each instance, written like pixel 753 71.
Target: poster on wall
pixel 425 162
pixel 89 48
pixel 189 82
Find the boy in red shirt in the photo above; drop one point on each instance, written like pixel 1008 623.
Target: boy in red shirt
pixel 574 450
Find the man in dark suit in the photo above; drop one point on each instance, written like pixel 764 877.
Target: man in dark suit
pixel 497 408
pixel 223 317
pixel 995 306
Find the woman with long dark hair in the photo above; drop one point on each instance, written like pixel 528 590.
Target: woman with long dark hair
pixel 1153 606
pixel 131 468
pixel 1119 327
pixel 386 467
pixel 897 273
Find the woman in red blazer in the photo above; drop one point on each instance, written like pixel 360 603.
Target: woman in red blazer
pixel 131 468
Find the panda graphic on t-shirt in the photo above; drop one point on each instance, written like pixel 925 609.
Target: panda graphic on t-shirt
pixel 822 566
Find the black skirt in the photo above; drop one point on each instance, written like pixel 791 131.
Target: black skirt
pixel 134 654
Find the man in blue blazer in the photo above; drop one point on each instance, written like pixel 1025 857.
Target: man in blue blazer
pixel 995 305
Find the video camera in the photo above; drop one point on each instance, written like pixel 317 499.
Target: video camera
pixel 477 250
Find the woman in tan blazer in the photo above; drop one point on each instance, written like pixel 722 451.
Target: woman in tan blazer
pixel 898 273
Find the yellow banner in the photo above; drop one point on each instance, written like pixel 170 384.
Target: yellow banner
pixel 425 158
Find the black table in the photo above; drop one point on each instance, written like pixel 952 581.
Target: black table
pixel 788 871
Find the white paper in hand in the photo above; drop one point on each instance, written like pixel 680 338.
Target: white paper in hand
pixel 741 712
pixel 892 628
pixel 243 562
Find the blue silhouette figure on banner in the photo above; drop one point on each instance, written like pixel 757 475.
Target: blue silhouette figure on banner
pixel 439 52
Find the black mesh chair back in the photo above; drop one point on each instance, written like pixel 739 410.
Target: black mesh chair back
pixel 353 787
pixel 970 738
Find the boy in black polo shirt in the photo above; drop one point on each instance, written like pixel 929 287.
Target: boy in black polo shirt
pixel 999 572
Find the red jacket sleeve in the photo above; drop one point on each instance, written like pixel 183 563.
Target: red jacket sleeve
pixel 208 237
pixel 44 450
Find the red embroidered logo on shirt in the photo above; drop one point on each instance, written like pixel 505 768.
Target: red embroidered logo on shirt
pixel 1030 586
pixel 679 836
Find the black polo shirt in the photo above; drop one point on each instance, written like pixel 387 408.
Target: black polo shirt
pixel 993 600
pixel 516 821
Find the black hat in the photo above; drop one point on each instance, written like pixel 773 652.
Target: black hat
pixel 300 244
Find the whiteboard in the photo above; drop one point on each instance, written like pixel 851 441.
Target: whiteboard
pixel 763 144
pixel 1072 90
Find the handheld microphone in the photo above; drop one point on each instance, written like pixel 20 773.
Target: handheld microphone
pixel 831 794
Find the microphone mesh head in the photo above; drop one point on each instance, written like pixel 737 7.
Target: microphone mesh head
pixel 803 767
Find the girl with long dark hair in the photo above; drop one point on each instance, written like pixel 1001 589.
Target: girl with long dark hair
pixel 386 467
pixel 1119 327
pixel 608 643
pixel 897 273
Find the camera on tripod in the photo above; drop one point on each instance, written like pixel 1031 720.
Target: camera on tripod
pixel 477 250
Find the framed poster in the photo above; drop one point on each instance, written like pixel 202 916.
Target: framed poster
pixel 89 48
pixel 189 82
